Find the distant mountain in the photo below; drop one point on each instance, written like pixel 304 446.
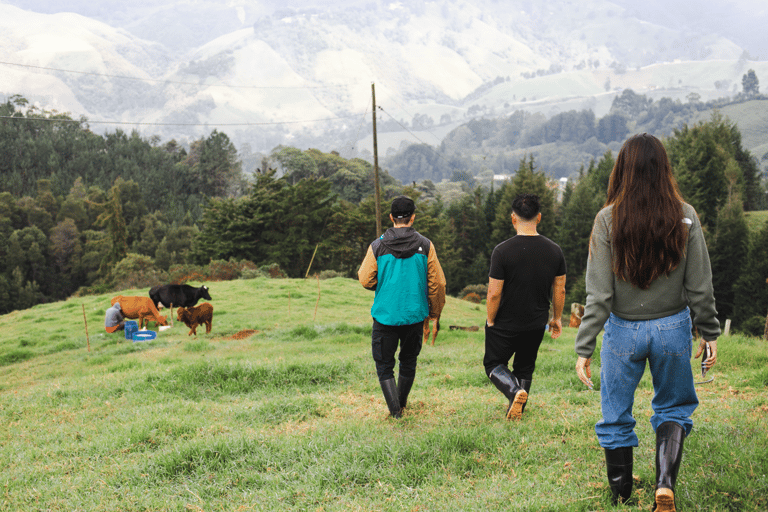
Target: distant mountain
pixel 268 74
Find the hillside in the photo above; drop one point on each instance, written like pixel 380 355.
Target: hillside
pixel 752 119
pixel 291 416
pixel 300 73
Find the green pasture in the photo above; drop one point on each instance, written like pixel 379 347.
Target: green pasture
pixel 279 408
pixel 756 220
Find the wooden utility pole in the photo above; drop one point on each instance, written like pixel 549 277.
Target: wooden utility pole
pixel 376 165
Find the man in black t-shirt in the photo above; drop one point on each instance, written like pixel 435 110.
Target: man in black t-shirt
pixel 527 272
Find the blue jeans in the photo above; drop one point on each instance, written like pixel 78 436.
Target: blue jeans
pixel 666 344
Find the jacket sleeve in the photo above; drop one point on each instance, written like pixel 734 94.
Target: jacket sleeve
pixel 599 281
pixel 698 283
pixel 369 271
pixel 435 283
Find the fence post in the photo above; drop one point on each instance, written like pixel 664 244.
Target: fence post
pixel 87 339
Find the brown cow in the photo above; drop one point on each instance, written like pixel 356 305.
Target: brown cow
pixel 196 315
pixel 577 311
pixel 140 307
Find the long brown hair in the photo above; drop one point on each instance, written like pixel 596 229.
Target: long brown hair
pixel 648 235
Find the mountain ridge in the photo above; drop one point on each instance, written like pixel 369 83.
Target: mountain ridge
pixel 304 74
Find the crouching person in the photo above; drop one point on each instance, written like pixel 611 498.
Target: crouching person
pixel 114 319
pixel 402 268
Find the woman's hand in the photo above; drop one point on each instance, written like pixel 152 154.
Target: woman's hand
pixel 583 371
pixel 712 359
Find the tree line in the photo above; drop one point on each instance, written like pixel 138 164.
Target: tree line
pixel 80 210
pixel 557 141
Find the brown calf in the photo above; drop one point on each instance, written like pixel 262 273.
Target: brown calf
pixel 140 307
pixel 196 315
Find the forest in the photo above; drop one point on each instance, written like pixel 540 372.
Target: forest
pixel 495 143
pixel 86 213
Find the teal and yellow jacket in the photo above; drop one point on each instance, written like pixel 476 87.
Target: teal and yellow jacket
pixel 402 267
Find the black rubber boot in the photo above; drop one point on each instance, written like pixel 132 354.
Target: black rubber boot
pixel 389 388
pixel 403 388
pixel 526 385
pixel 507 383
pixel 618 462
pixel 669 453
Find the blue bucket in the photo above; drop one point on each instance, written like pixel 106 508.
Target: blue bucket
pixel 144 336
pixel 130 328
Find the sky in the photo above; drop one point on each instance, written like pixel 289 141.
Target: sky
pixel 742 21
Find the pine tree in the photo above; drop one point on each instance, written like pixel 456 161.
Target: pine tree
pixel 728 254
pixel 751 289
pixel 526 181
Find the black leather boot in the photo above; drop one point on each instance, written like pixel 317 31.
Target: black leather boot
pixel 526 385
pixel 389 388
pixel 669 453
pixel 618 462
pixel 403 388
pixel 507 383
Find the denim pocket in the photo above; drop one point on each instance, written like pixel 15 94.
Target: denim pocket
pixel 676 337
pixel 620 336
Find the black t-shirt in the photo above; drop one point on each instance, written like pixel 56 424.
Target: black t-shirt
pixel 528 266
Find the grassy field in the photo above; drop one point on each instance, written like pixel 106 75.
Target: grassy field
pixel 279 408
pixel 756 220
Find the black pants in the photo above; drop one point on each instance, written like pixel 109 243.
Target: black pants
pixel 501 345
pixel 384 342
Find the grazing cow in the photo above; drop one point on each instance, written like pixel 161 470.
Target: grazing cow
pixel 194 316
pixel 178 295
pixel 577 311
pixel 435 328
pixel 140 307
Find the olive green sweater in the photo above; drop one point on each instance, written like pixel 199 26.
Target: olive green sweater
pixel 690 284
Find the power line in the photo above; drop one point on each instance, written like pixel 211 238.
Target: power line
pixel 359 127
pixel 434 151
pixel 123 77
pixel 129 123
pixel 415 119
pixel 407 130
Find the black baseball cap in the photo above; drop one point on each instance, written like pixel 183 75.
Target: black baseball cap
pixel 402 207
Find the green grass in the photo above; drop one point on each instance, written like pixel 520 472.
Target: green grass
pixel 756 220
pixel 291 417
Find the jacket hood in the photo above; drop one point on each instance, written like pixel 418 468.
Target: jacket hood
pixel 403 242
pixel 118 307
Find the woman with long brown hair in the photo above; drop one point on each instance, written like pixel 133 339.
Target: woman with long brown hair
pixel 648 264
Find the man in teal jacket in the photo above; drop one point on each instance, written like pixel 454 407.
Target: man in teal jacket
pixel 402 268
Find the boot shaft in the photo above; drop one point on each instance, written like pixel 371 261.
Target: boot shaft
pixel 404 385
pixel 508 384
pixel 389 388
pixel 669 453
pixel 618 463
pixel 526 385
pixel 505 381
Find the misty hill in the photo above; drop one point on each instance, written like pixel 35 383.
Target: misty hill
pixel 301 73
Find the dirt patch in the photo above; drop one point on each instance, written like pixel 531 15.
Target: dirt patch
pixel 242 334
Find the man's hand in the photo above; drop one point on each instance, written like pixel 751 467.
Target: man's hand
pixel 555 328
pixel 712 359
pixel 584 372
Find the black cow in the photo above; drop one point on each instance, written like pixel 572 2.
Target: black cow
pixel 180 295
